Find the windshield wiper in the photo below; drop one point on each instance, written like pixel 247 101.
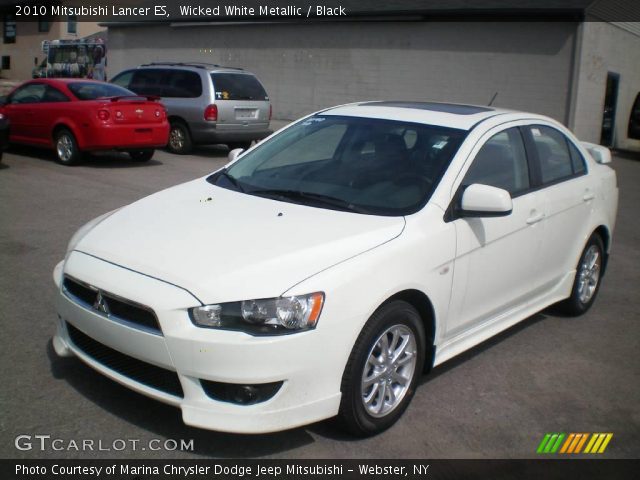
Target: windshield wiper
pixel 231 180
pixel 317 198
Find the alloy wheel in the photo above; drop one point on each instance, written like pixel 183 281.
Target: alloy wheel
pixel 589 274
pixel 389 370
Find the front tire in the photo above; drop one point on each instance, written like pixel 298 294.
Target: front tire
pixel 179 139
pixel 141 155
pixel 587 281
pixel 67 151
pixel 381 375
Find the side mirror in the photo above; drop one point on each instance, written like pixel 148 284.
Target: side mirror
pixel 599 153
pixel 235 153
pixel 484 201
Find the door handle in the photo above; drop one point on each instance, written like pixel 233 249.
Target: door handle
pixel 535 218
pixel 588 195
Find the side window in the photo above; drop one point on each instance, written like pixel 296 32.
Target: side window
pixel 124 79
pixel 634 120
pixel 553 152
pixel 148 81
pixel 182 84
pixel 31 93
pixel 502 163
pixel 52 94
pixel 577 160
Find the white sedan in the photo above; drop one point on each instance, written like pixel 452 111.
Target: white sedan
pixel 322 271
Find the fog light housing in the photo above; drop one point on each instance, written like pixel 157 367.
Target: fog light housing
pixel 240 394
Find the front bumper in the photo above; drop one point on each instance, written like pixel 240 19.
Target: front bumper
pixel 304 362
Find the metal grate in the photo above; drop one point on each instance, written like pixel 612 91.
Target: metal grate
pixel 152 376
pixel 112 306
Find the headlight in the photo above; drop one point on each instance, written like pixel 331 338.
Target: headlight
pixel 272 316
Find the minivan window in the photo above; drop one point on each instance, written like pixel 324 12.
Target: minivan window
pixel 148 81
pixel 123 79
pixel 182 84
pixel 237 86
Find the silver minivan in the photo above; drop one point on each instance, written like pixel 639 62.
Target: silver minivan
pixel 206 103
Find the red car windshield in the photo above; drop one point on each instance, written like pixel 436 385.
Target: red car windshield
pixel 94 90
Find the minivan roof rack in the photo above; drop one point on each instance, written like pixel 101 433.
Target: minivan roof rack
pixel 189 64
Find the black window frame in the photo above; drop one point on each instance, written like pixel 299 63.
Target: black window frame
pixel 5 60
pixel 44 25
pixel 9 20
pixel 72 21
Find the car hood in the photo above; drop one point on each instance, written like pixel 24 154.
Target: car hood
pixel 223 245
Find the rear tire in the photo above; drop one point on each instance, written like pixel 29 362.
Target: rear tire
pixel 588 279
pixel 179 138
pixel 67 151
pixel 383 370
pixel 141 155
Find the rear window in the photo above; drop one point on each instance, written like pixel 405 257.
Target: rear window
pixel 237 86
pixel 92 91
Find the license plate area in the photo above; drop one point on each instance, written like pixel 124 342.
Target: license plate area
pixel 246 113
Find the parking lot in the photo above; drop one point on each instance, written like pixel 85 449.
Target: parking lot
pixel 547 374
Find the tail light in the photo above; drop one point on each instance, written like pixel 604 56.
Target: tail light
pixel 103 114
pixel 119 115
pixel 270 111
pixel 211 113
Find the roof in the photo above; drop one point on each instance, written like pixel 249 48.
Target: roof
pixel 452 115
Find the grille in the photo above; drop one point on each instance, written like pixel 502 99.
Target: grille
pixel 142 372
pixel 113 306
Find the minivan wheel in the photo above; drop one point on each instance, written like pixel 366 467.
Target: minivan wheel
pixel 383 369
pixel 587 280
pixel 179 139
pixel 67 151
pixel 141 155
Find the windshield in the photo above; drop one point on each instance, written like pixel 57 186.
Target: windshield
pixel 363 165
pixel 95 90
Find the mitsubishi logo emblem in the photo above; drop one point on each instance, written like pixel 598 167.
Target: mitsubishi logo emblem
pixel 100 304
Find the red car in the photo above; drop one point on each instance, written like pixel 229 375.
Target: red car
pixel 73 116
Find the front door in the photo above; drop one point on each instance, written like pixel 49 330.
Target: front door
pixel 495 266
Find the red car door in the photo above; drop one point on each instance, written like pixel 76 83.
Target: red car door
pixel 53 105
pixel 21 112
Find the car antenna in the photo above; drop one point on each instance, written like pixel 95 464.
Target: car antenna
pixel 492 99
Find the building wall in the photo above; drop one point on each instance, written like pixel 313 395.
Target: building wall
pixel 306 67
pixel 28 45
pixel 606 48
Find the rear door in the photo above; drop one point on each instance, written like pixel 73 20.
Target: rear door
pixel 568 194
pixel 242 101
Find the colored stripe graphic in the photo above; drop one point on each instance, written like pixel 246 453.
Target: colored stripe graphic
pixel 572 443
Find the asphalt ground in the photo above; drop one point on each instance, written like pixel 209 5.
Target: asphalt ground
pixel 547 374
